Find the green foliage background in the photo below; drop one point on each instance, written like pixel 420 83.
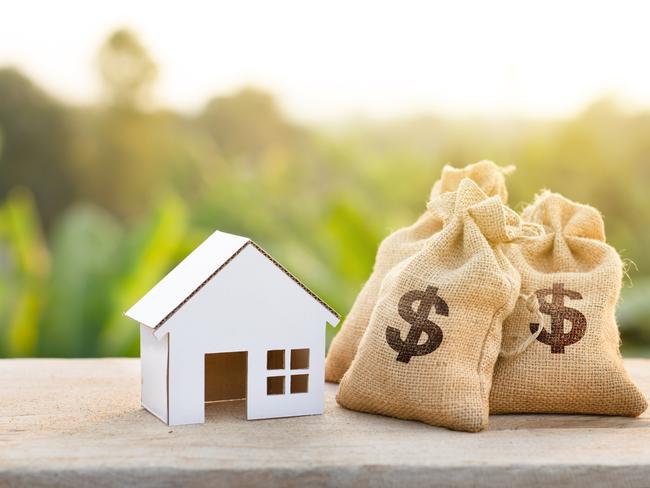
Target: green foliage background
pixel 97 203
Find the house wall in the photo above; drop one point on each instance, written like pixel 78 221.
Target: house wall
pixel 251 305
pixel 153 364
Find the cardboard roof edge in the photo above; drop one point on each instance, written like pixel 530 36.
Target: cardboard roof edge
pixel 193 273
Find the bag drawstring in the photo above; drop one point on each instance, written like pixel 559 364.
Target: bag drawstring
pixel 532 304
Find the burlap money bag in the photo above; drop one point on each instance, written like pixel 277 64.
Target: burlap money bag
pixel 574 365
pixel 395 248
pixel 435 333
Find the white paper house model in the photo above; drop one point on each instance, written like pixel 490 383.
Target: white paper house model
pixel 229 322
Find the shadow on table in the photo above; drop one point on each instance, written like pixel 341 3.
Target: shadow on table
pixel 139 420
pixel 554 421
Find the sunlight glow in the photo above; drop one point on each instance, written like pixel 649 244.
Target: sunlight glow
pixel 335 59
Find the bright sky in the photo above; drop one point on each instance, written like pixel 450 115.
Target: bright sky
pixel 332 59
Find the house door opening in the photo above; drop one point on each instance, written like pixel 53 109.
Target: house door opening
pixel 225 376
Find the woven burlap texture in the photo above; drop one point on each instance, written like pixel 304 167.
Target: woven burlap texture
pixel 577 278
pixel 396 248
pixel 449 386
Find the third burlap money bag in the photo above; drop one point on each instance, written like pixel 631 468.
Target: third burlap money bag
pixel 398 246
pixel 574 277
pixel 434 335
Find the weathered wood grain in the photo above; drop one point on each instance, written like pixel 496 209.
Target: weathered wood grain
pixel 79 423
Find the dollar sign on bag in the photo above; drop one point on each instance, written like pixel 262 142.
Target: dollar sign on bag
pixel 420 323
pixel 557 338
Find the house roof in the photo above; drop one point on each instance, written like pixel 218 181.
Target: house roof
pixel 191 274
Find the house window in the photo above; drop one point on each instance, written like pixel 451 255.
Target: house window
pixel 275 359
pixel 275 385
pixel 299 383
pixel 280 379
pixel 299 358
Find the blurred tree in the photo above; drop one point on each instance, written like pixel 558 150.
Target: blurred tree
pixel 123 158
pixel 248 126
pixel 127 70
pixel 35 135
pixel 124 154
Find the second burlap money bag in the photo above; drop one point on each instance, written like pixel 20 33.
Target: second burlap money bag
pixel 573 365
pixel 435 332
pixel 398 246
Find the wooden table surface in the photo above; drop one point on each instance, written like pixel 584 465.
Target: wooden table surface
pixel 79 423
